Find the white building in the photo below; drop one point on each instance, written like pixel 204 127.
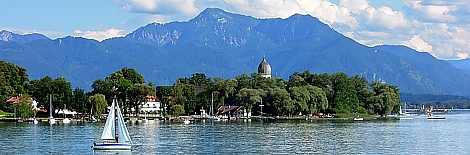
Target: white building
pixel 152 105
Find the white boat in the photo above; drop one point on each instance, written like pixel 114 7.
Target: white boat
pixel 114 138
pixel 51 119
pixel 186 121
pixel 358 118
pixel 66 120
pixel 431 116
pixel 403 115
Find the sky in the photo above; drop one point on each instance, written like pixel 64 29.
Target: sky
pixel 440 27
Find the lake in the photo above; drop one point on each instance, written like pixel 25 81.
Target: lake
pixel 417 136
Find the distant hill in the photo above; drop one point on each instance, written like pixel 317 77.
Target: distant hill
pixel 222 44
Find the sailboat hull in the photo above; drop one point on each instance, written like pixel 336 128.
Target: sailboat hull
pixel 111 146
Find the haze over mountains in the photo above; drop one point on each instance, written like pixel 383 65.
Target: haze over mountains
pixel 222 44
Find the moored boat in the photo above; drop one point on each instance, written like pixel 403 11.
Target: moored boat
pixel 431 116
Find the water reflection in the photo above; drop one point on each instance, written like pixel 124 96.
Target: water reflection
pixel 417 136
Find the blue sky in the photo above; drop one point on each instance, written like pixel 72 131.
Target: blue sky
pixel 440 27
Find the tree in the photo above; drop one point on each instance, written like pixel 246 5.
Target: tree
pixel 62 92
pixel 243 81
pixel 165 93
pixel 99 104
pixel 300 96
pixel 79 101
pixel 177 110
pixel 13 81
pixel 199 79
pixel 280 100
pixel 318 100
pixel 345 98
pixel 24 109
pixel 138 95
pixel 249 97
pixel 386 97
pixel 122 80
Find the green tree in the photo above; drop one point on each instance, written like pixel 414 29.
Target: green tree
pixel 243 81
pixel 249 97
pixel 386 98
pixel 300 96
pixel 281 101
pixel 177 110
pixel 345 98
pixel 199 79
pixel 165 94
pixel 138 95
pixel 62 93
pixel 120 81
pixel 318 101
pixel 13 81
pixel 24 109
pixel 79 101
pixel 99 104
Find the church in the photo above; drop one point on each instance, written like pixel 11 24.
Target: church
pixel 264 68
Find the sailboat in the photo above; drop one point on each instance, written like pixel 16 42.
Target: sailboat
pixel 212 117
pixel 65 120
pixel 403 115
pixel 51 118
pixel 92 118
pixel 115 137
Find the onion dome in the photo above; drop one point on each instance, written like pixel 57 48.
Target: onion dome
pixel 264 68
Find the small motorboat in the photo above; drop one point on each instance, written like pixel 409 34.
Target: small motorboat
pixel 431 116
pixel 358 118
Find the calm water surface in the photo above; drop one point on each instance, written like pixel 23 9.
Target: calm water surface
pixel 417 136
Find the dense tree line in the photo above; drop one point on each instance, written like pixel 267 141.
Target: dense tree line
pixel 302 93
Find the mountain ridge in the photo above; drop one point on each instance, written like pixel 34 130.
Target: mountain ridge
pixel 222 44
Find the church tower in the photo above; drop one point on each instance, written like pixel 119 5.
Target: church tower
pixel 264 68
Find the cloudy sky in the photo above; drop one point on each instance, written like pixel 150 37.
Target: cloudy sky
pixel 440 27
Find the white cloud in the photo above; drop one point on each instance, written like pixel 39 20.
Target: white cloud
pixel 419 44
pixel 426 10
pixel 440 27
pixel 100 35
pixel 186 7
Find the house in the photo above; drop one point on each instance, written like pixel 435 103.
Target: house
pixel 16 100
pixel 152 105
pixel 233 111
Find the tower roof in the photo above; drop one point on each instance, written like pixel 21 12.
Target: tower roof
pixel 264 68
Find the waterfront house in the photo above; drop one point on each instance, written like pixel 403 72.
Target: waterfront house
pixel 233 111
pixel 16 100
pixel 152 105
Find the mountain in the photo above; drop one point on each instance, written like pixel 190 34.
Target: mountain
pixel 6 36
pixel 463 65
pixel 223 44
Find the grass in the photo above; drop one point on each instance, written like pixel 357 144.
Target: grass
pixel 352 115
pixel 2 113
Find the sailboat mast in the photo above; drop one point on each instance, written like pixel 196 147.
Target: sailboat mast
pixel 50 105
pixel 212 104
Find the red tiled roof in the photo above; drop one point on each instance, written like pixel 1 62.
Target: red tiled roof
pixel 228 109
pixel 15 100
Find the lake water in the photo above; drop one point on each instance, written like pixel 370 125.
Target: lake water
pixel 417 136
